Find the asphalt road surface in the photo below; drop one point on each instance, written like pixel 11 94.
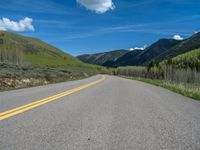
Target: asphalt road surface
pixel 113 114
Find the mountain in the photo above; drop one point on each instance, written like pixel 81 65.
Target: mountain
pixel 125 60
pixel 158 51
pixel 157 48
pixel 102 58
pixel 143 57
pixel 184 46
pixel 26 61
pixel 130 58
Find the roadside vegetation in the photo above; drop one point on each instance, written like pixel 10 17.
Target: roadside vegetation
pixel 26 62
pixel 188 90
pixel 180 74
pixel 14 76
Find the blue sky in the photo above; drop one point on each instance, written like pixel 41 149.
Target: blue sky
pixel 90 26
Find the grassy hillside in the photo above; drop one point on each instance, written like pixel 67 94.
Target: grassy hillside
pixel 187 61
pixel 27 61
pixel 31 51
pixel 190 59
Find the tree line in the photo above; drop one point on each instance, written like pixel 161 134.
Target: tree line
pixel 186 72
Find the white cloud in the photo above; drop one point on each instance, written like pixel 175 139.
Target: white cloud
pixel 177 37
pixel 22 25
pixel 138 48
pixel 99 6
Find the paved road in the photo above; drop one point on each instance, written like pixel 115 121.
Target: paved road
pixel 116 114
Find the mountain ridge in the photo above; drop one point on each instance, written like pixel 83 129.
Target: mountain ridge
pixel 101 58
pixel 186 45
pixel 158 51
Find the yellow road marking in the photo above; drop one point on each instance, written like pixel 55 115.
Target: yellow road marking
pixel 21 109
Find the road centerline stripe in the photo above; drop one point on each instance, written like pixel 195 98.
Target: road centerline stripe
pixel 12 112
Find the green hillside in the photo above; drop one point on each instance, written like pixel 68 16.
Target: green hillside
pixel 187 60
pixel 30 50
pixel 32 59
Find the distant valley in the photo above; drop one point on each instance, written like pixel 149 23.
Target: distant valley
pixel 26 62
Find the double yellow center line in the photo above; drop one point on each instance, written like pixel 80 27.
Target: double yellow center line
pixel 21 109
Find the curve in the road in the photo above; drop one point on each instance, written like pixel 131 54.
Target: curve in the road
pixel 9 113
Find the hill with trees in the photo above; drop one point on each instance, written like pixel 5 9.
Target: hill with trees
pixel 24 58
